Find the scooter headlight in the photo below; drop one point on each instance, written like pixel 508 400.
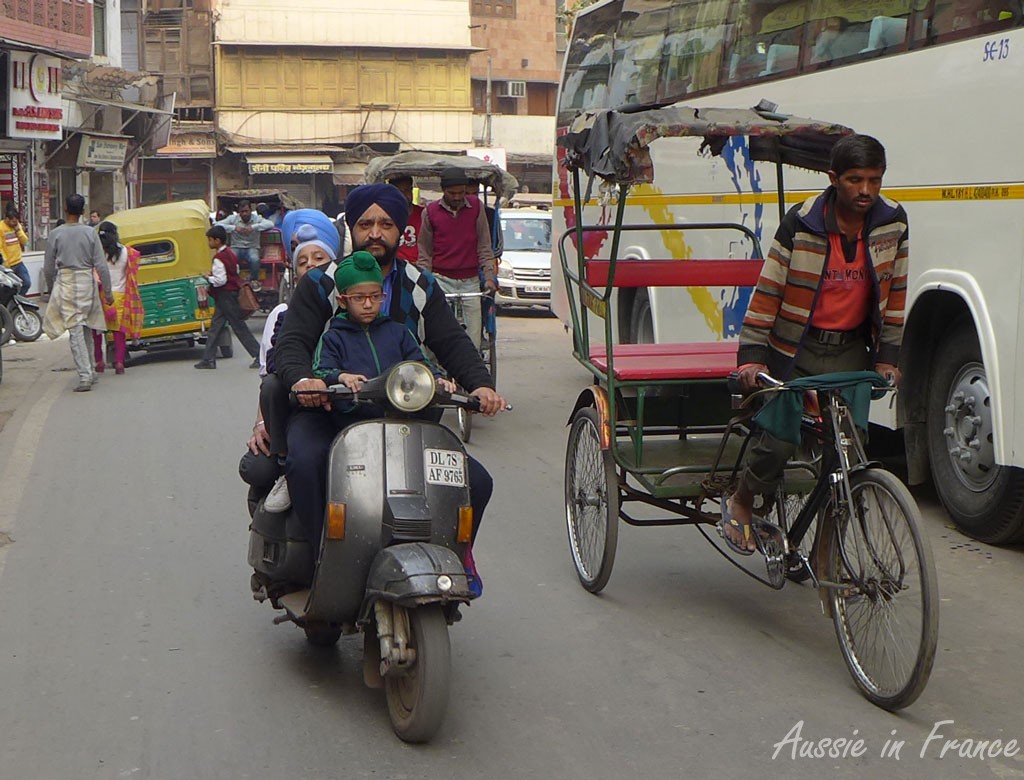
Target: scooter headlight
pixel 410 386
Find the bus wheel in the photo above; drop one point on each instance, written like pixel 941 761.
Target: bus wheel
pixel 986 501
pixel 641 322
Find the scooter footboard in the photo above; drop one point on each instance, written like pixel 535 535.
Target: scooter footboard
pixel 414 574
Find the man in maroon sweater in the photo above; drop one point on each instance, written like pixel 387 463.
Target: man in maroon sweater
pixel 455 245
pixel 224 287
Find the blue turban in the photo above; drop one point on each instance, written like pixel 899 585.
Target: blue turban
pixel 386 196
pixel 325 228
pixel 308 235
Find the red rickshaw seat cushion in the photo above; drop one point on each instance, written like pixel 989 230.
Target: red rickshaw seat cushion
pixel 640 362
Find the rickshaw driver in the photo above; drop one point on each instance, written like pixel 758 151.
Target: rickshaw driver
pixel 831 297
pixel 244 229
pixel 376 217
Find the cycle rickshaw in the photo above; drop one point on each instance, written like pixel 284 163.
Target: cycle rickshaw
pixel 660 427
pixel 499 188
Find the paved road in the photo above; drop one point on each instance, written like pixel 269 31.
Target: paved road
pixel 130 646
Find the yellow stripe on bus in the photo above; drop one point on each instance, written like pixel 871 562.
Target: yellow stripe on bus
pixel 901 194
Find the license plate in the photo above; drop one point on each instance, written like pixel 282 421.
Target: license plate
pixel 445 467
pixel 536 288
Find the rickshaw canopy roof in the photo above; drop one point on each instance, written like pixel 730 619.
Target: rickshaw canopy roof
pixel 614 145
pixel 162 219
pixel 430 165
pixel 271 197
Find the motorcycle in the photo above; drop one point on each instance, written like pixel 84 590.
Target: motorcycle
pixel 397 525
pixel 21 318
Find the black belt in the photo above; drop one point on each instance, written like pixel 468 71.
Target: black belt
pixel 836 338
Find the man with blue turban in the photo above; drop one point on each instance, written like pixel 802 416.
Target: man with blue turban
pixel 376 215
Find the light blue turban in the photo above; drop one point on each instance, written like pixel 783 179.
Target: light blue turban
pixel 325 228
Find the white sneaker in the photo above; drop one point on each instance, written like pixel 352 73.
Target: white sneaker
pixel 277 499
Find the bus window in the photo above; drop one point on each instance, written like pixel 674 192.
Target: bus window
pixel 691 57
pixel 588 63
pixel 953 19
pixel 765 38
pixel 638 43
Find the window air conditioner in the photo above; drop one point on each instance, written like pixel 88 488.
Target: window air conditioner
pixel 512 89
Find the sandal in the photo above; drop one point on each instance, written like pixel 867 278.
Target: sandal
pixel 732 522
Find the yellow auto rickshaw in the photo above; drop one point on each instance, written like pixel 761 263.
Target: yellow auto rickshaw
pixel 175 256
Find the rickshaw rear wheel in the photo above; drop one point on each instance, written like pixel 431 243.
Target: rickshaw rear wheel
pixel 591 502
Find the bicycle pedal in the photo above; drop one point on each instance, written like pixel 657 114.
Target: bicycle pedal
pixel 771 543
pixel 768 534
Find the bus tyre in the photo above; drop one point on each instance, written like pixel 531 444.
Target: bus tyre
pixel 986 501
pixel 641 321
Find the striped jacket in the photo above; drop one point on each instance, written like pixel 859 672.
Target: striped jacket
pixel 779 313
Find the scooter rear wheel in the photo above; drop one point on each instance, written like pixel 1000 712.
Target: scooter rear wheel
pixel 418 699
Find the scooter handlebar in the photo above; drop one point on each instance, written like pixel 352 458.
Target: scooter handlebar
pixel 334 391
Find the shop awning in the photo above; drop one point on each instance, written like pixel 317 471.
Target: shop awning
pixel 288 164
pixel 136 107
pixel 10 43
pixel 349 173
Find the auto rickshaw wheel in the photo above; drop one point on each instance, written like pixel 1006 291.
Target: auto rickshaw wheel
pixel 591 502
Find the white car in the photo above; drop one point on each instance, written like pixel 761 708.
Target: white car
pixel 524 274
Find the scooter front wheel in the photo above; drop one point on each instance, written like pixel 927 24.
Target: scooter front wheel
pixel 28 325
pixel 418 698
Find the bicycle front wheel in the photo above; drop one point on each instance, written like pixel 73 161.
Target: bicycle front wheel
pixel 884 594
pixel 591 502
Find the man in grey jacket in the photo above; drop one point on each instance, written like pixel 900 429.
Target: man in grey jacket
pixel 244 229
pixel 73 254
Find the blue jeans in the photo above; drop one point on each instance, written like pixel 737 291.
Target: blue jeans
pixel 26 278
pixel 471 317
pixel 310 435
pixel 249 256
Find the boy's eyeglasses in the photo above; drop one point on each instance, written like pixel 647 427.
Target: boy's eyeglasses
pixel 360 298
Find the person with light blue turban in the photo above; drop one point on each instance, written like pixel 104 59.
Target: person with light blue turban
pixel 326 229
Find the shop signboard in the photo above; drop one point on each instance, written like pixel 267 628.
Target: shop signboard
pixel 290 166
pixel 34 109
pixel 103 154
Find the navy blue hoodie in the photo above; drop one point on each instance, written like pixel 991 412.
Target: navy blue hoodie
pixel 350 348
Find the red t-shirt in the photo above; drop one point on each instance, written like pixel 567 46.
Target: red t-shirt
pixel 407 244
pixel 846 290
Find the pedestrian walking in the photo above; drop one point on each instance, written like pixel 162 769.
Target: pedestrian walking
pixel 124 317
pixel 73 254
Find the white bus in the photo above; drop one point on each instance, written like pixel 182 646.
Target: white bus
pixel 940 83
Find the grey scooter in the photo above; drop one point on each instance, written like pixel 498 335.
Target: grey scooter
pixel 20 317
pixel 397 524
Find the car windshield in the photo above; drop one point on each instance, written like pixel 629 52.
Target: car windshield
pixel 526 233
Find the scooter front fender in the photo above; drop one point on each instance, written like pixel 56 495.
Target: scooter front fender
pixel 28 303
pixel 412 574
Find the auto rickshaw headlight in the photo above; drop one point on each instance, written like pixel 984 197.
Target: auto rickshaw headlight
pixel 410 386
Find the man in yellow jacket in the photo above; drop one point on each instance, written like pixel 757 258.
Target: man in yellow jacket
pixel 12 242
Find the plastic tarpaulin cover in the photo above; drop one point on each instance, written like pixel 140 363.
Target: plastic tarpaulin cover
pixel 427 164
pixel 614 144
